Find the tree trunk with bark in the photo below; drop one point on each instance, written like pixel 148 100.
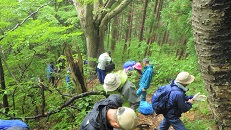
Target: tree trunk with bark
pixel 143 20
pixel 211 20
pixel 128 32
pixel 3 87
pixel 95 25
pixel 76 67
pixel 115 32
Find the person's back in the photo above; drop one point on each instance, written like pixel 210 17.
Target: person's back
pixel 178 102
pixel 96 118
pixel 119 82
pixel 128 65
pixel 102 61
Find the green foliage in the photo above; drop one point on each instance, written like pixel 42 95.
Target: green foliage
pixel 176 16
pixel 198 124
pixel 84 2
pixel 42 38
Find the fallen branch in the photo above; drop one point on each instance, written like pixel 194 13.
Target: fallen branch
pixel 71 100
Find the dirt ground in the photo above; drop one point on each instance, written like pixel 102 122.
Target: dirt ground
pixel 150 122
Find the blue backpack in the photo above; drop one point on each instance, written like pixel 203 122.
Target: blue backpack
pixel 160 99
pixel 145 108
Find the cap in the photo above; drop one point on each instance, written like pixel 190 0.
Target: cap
pixel 126 118
pixel 184 78
pixel 138 66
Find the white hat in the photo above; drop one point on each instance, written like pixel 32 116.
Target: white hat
pixel 112 82
pixel 126 118
pixel 184 78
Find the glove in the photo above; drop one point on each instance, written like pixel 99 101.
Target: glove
pixel 199 97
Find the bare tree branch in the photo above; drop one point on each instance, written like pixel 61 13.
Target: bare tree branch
pixel 66 104
pixel 23 21
pixel 114 12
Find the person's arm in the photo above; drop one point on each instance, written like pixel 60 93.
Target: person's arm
pixel 108 58
pixel 182 104
pixel 188 97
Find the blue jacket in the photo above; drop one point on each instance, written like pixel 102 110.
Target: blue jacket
pixel 49 70
pixel 146 77
pixel 177 103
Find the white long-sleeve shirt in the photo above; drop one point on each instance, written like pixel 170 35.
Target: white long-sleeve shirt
pixel 102 60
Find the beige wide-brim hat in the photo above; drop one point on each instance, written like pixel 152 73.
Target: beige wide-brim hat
pixel 184 78
pixel 112 82
pixel 126 118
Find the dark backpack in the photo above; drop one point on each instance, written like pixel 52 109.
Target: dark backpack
pixel 109 67
pixel 160 99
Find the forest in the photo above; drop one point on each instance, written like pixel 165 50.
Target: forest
pixel 175 35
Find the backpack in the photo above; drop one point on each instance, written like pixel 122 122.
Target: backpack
pixel 128 64
pixel 145 108
pixel 110 67
pixel 160 99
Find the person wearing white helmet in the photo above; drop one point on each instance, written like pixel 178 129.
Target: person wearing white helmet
pixel 108 114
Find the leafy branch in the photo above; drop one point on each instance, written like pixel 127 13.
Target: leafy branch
pixel 24 20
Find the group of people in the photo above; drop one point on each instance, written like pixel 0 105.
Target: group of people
pixel 109 113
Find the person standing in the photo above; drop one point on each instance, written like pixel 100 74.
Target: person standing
pixel 51 70
pixel 178 102
pixel 108 114
pixel 119 82
pixel 145 79
pixel 102 61
pixel 68 81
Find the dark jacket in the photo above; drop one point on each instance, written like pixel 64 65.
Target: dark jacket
pixel 96 119
pixel 177 103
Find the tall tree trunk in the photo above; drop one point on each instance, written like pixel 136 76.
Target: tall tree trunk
pixel 94 26
pixel 151 29
pixel 76 67
pixel 128 32
pixel 3 87
pixel 114 32
pixel 211 22
pixel 143 21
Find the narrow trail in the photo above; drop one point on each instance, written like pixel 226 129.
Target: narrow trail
pixel 152 120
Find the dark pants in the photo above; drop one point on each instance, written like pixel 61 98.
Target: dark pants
pixel 177 124
pixel 101 75
pixel 52 80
